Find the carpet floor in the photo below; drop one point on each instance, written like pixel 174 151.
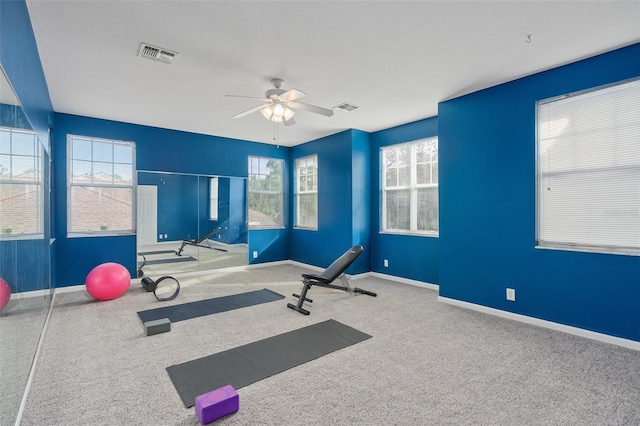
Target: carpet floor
pixel 428 363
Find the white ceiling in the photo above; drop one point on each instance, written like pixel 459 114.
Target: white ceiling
pixel 395 60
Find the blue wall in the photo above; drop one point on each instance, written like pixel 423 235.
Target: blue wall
pixel 361 198
pixel 159 150
pixel 232 211
pixel 13 116
pixel 488 208
pixel 236 222
pixel 20 59
pixel 25 263
pixel 335 232
pixel 177 204
pixel 410 256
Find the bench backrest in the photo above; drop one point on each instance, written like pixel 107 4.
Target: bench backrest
pixel 341 264
pixel 206 236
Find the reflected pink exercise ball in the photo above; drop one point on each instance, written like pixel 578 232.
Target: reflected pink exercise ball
pixel 5 293
pixel 108 281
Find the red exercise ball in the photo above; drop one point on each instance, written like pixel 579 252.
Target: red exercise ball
pixel 5 293
pixel 108 281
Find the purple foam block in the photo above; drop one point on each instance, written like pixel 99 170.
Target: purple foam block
pixel 218 403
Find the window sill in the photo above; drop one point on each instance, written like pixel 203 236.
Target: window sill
pixel 299 228
pixel 99 234
pixel 411 233
pixel 590 249
pixel 263 228
pixel 18 237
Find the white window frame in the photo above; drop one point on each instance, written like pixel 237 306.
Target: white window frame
pixel 577 155
pixel 38 166
pixel 70 184
pixel 313 159
pixel 279 191
pixel 213 198
pixel 413 188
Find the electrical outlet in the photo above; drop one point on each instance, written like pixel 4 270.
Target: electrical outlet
pixel 386 263
pixel 165 236
pixel 511 294
pixel 255 254
pixel 159 236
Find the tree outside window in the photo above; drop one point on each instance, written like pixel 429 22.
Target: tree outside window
pixel 265 193
pixel 410 187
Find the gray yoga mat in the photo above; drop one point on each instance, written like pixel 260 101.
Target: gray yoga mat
pixel 201 308
pixel 255 361
pixel 171 260
pixel 146 253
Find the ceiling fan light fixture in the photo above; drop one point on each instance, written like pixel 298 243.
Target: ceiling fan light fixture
pixel 288 114
pixel 277 113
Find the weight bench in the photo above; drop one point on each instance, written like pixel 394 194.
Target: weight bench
pixel 197 242
pixel 335 270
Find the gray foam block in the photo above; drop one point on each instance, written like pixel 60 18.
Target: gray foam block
pixel 161 325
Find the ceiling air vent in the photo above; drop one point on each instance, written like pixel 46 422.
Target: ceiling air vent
pixel 157 53
pixel 345 107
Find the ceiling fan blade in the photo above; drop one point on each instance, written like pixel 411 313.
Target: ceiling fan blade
pixel 290 122
pixel 249 111
pixel 311 108
pixel 246 97
pixel 292 94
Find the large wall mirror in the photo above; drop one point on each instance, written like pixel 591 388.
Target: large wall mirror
pixel 25 284
pixel 190 223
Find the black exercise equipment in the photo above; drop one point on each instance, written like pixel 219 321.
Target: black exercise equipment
pixel 197 241
pixel 144 262
pixel 152 286
pixel 335 270
pixel 164 260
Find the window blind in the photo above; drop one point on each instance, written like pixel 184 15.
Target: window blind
pixel 589 170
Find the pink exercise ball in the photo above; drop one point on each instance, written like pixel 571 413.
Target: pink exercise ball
pixel 108 281
pixel 5 293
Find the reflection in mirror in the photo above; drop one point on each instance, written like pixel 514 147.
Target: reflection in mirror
pixel 190 223
pixel 24 249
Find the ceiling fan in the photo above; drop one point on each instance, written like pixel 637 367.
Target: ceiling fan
pixel 279 104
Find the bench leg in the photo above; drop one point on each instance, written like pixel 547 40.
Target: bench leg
pixel 301 299
pixel 179 252
pixel 361 291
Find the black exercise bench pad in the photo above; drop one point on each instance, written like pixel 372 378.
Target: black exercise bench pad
pixel 201 308
pixel 255 361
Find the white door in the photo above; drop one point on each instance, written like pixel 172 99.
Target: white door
pixel 147 214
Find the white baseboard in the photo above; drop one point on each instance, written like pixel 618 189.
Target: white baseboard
pixel 406 281
pixel 28 294
pixel 303 265
pixel 626 343
pixel 360 276
pixel 70 289
pixel 265 264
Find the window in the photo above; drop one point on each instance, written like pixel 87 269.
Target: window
pixel 100 185
pixel 588 170
pixel 21 195
pixel 307 192
pixel 410 187
pixel 265 193
pixel 213 198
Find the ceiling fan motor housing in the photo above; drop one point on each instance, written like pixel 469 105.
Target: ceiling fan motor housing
pixel 273 93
